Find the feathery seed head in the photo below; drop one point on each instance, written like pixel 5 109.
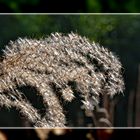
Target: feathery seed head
pixel 67 64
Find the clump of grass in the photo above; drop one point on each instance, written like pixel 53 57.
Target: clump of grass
pixel 56 66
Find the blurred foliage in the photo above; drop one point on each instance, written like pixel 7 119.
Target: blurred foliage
pixel 69 134
pixel 93 5
pixel 96 6
pixel 119 33
pixel 15 5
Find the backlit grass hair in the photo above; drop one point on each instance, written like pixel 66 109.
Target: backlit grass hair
pixel 56 62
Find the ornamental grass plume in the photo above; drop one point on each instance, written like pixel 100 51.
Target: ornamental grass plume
pixel 58 65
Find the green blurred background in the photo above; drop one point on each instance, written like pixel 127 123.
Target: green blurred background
pixel 83 6
pixel 119 33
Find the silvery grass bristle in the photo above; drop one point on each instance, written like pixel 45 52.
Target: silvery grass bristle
pixel 59 60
